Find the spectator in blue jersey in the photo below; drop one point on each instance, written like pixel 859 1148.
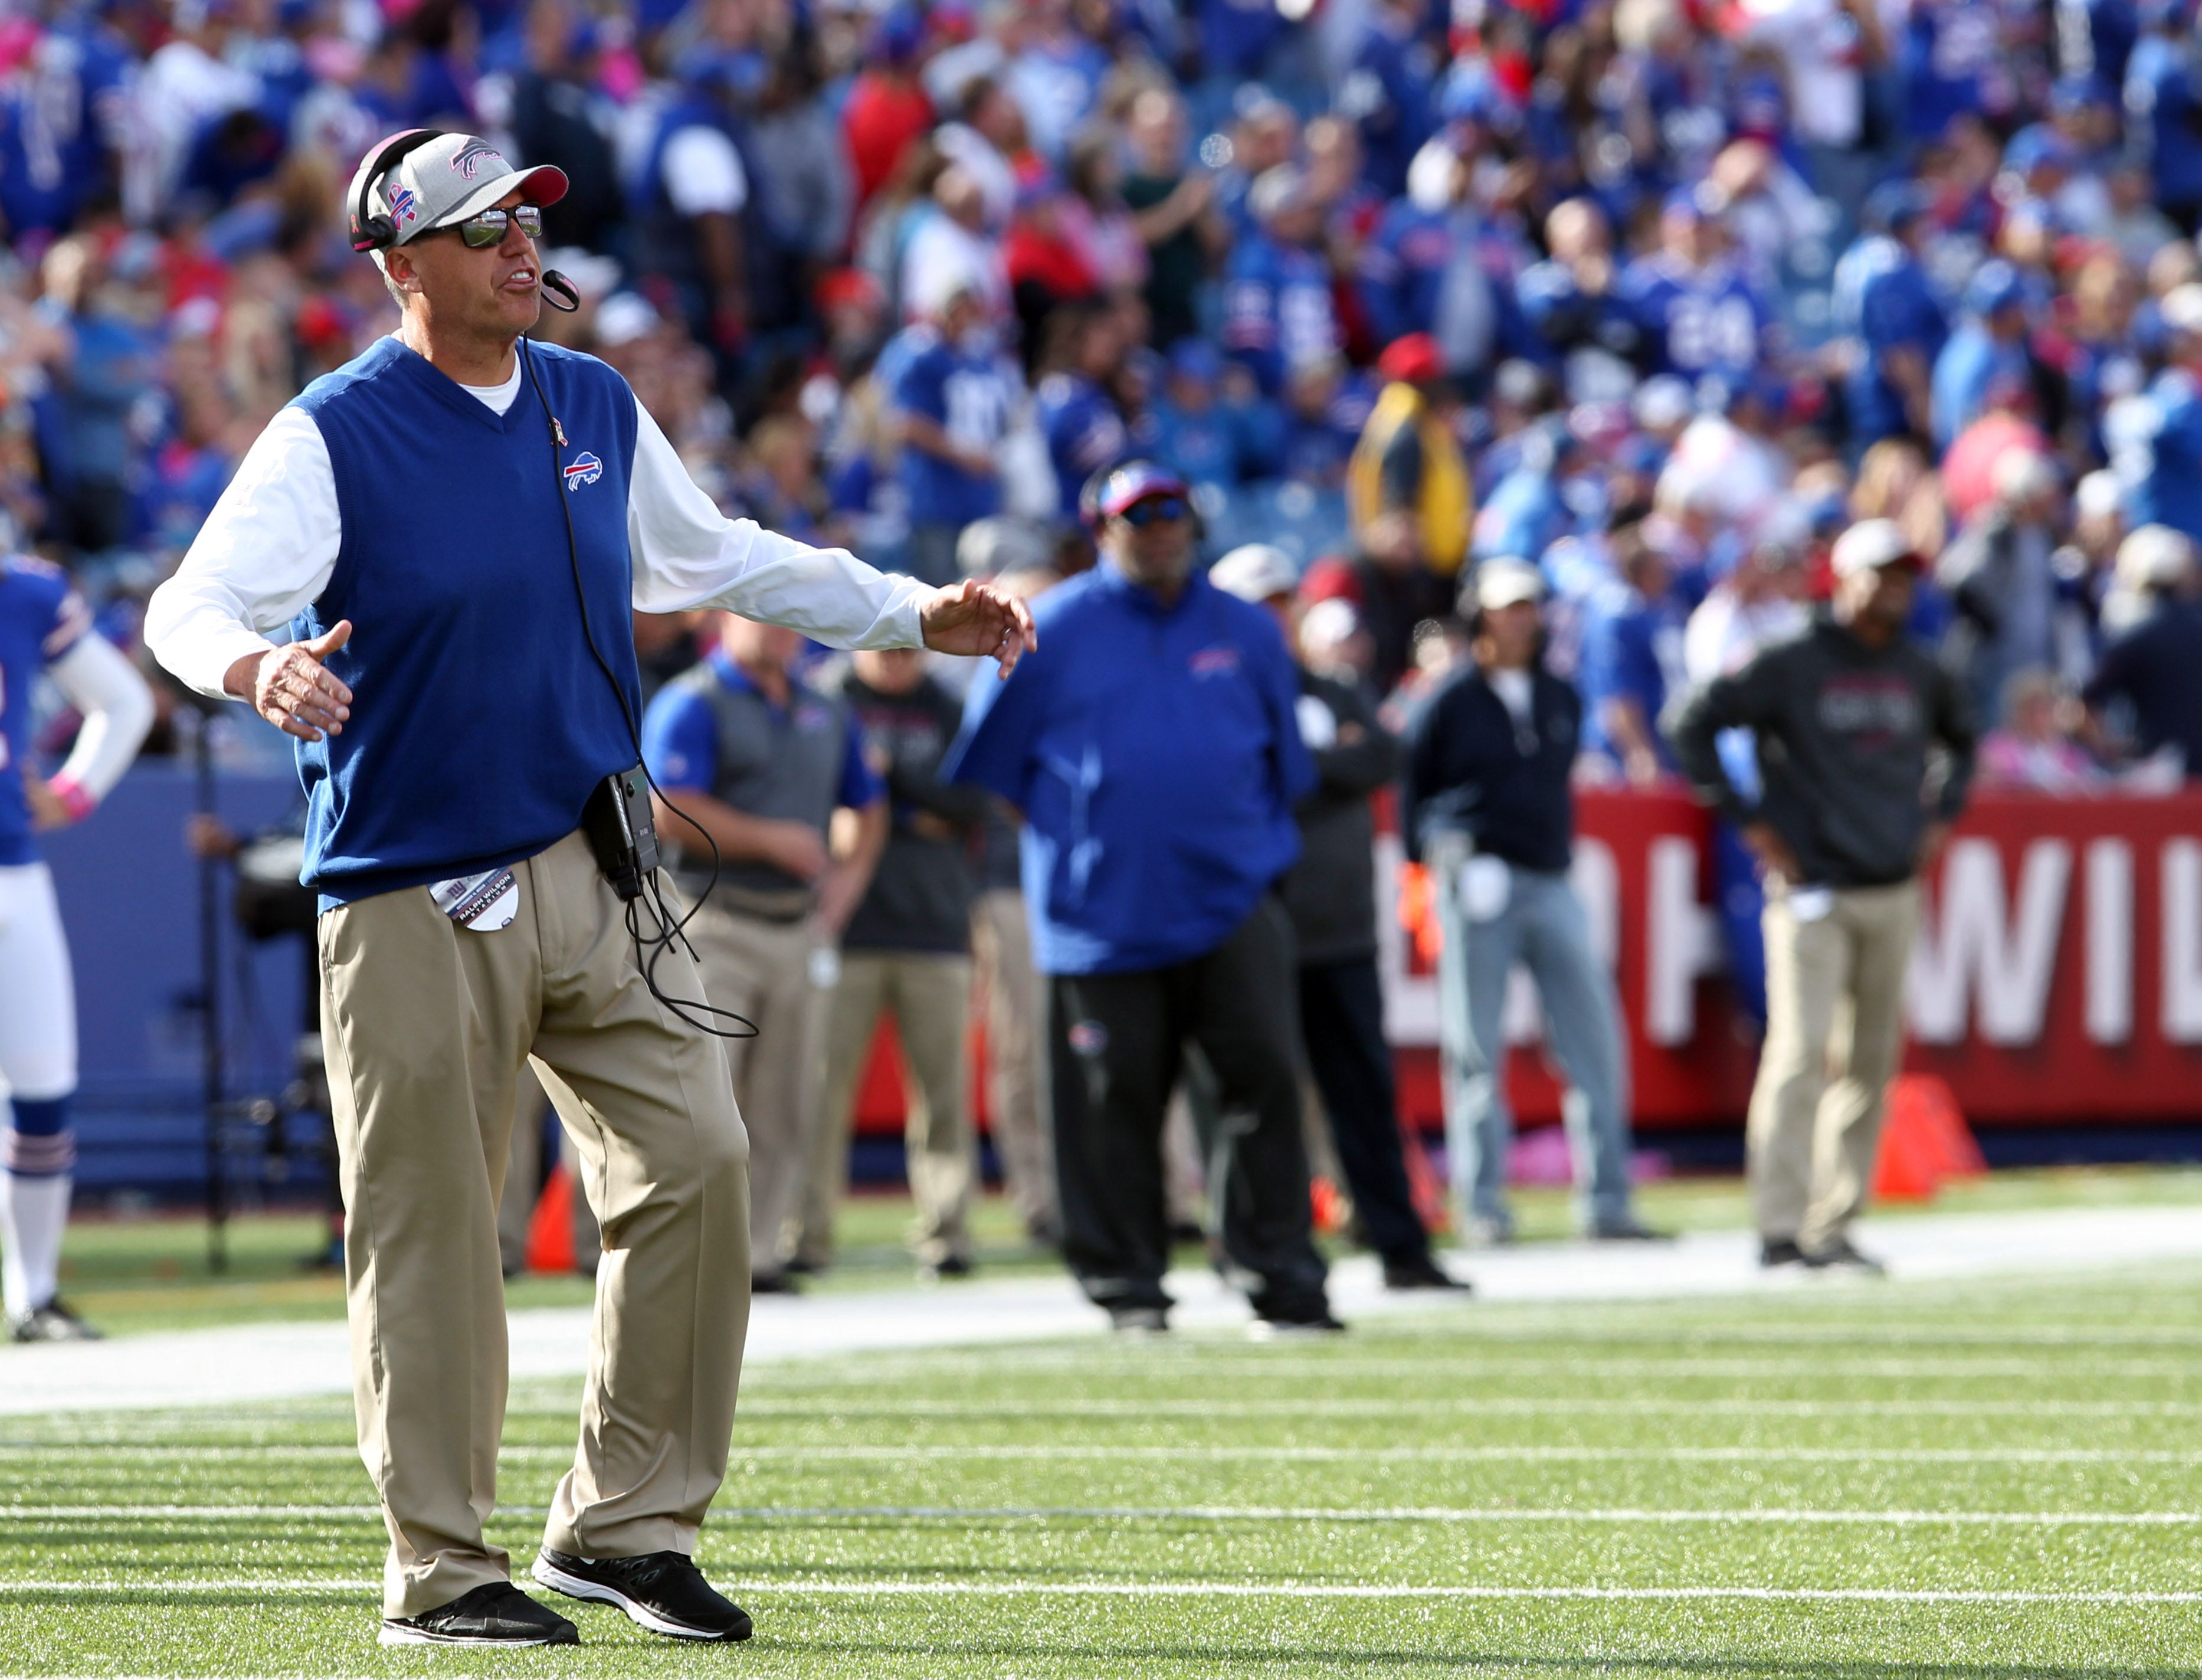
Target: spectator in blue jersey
pixel 1081 352
pixel 1954 60
pixel 1697 309
pixel 1632 660
pixel 1327 404
pixel 1277 311
pixel 1190 427
pixel 1987 349
pixel 1886 306
pixel 1155 753
pixel 952 395
pixel 2164 111
pixel 1265 135
pixel 1436 265
pixel 1388 90
pixel 2166 446
pixel 1525 512
pixel 687 229
pixel 62 117
pixel 88 448
pixel 1573 302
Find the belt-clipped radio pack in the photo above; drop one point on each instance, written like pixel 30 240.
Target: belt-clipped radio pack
pixel 622 831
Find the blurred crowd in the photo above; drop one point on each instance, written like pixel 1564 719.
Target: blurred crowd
pixel 1655 295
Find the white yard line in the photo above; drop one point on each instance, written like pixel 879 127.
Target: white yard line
pixel 845 1452
pixel 1477 1516
pixel 1209 1589
pixel 280 1361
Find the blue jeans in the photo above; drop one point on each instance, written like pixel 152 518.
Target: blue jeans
pixel 1543 927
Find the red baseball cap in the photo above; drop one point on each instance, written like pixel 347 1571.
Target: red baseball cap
pixel 1413 360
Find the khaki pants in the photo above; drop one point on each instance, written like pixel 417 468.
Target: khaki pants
pixel 1016 1094
pixel 523 1172
pixel 929 994
pixel 427 1025
pixel 761 970
pixel 1834 1027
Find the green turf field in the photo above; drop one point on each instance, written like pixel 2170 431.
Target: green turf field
pixel 1848 1480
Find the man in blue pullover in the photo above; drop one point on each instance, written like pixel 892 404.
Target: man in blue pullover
pixel 459 691
pixel 1154 756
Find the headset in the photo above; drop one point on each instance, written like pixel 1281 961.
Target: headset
pixel 373 232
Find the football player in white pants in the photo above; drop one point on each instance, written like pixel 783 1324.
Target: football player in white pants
pixel 44 624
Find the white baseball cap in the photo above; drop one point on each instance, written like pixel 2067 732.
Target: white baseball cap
pixel 1871 544
pixel 444 181
pixel 1255 572
pixel 1506 581
pixel 2155 556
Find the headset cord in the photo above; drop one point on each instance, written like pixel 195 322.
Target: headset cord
pixel 671 930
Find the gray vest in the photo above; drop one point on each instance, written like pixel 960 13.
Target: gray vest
pixel 785 764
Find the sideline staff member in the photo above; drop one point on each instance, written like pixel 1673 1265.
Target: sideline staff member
pixel 1156 755
pixel 1865 752
pixel 407 517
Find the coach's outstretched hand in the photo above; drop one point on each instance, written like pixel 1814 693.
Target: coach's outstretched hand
pixel 290 687
pixel 977 619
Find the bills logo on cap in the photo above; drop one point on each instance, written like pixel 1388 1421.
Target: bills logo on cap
pixel 469 158
pixel 403 206
pixel 583 469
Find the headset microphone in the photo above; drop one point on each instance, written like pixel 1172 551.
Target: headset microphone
pixel 556 287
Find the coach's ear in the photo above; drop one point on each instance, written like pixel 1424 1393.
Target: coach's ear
pixel 399 270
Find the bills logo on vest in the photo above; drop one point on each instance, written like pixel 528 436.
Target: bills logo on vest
pixel 583 469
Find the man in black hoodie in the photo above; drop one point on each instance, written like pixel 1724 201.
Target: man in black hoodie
pixel 1484 802
pixel 1331 896
pixel 1865 750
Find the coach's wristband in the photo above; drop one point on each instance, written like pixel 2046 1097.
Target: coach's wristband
pixel 75 799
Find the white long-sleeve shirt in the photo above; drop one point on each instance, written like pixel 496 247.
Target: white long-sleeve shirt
pixel 269 548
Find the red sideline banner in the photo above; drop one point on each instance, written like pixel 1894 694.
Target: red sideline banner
pixel 2057 976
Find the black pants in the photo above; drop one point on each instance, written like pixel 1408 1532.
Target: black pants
pixel 1116 1046
pixel 1342 1022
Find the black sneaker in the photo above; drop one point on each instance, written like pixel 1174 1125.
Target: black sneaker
pixel 1422 1273
pixel 496 1613
pixel 1315 1322
pixel 774 1283
pixel 56 1321
pixel 1780 1251
pixel 662 1591
pixel 948 1265
pixel 1841 1256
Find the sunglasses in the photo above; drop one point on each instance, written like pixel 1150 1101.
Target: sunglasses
pixel 1155 509
pixel 485 229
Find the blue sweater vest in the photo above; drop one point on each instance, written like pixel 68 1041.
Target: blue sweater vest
pixel 480 722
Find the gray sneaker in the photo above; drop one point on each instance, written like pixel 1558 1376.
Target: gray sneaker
pixel 54 1322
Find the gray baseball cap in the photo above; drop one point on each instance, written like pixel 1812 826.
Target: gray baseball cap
pixel 452 177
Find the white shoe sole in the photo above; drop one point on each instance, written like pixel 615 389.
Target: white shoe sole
pixel 595 1592
pixel 397 1636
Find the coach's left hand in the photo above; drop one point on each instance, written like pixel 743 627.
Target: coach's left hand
pixel 977 618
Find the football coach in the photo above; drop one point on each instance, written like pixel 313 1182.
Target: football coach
pixel 454 527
